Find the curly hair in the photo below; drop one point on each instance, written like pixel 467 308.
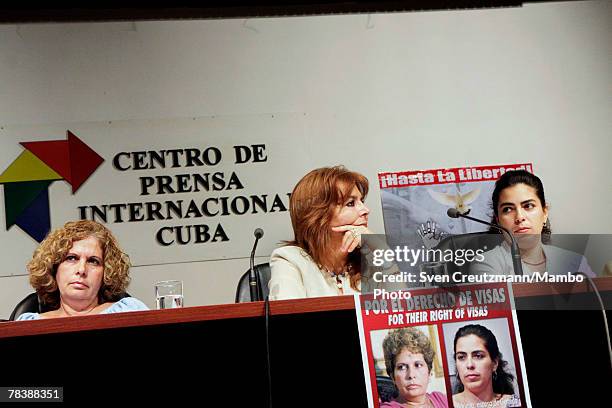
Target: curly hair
pixel 502 380
pixel 52 251
pixel 406 338
pixel 311 208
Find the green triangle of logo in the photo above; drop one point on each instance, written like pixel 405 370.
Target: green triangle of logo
pixel 19 196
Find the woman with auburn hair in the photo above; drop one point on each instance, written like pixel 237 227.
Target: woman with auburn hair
pixel 78 270
pixel 329 217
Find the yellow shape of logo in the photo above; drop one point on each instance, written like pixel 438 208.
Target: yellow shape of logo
pixel 28 167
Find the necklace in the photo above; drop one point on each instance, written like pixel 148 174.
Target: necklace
pixel 534 264
pixel 345 271
pixel 497 398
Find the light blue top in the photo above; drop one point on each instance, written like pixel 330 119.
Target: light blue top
pixel 127 304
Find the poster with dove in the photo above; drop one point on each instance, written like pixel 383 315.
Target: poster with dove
pixel 415 202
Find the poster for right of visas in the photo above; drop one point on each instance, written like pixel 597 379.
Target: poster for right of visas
pixel 454 347
pixel 416 201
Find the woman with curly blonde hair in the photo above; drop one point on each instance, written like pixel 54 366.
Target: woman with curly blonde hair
pixel 79 269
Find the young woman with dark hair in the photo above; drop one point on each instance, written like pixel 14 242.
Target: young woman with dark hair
pixel 520 206
pixel 481 370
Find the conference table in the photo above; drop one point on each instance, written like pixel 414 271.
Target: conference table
pixel 199 355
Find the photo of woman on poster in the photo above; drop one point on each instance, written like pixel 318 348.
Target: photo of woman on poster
pixel 483 376
pixel 409 356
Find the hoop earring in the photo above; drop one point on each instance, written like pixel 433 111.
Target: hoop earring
pixel 546 232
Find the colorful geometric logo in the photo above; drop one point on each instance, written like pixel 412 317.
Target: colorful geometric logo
pixel 27 180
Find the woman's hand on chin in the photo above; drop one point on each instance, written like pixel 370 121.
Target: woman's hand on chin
pixel 352 236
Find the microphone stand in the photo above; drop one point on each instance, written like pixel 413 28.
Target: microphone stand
pixel 514 249
pixel 603 310
pixel 253 287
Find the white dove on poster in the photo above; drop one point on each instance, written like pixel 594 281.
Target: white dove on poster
pixel 459 201
pixel 409 213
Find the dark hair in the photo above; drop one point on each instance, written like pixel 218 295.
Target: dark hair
pixel 406 338
pixel 511 178
pixel 502 381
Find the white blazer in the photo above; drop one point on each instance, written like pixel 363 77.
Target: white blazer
pixel 295 275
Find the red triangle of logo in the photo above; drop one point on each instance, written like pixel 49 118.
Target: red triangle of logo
pixel 83 161
pixel 54 153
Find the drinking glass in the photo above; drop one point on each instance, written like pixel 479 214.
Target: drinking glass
pixel 169 294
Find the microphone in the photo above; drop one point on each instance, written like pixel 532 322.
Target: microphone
pixel 514 249
pixel 253 286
